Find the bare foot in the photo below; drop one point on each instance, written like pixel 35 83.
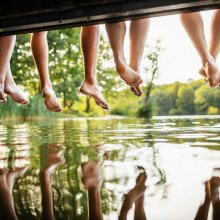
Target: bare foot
pixel 94 91
pixel 136 89
pixel 203 74
pixel 131 78
pixel 16 94
pixel 90 175
pixel 11 89
pixel 212 72
pixel 51 100
pixel 2 95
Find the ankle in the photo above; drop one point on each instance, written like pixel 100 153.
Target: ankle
pixel 2 83
pixel 46 86
pixel 90 81
pixel 135 65
pixel 136 68
pixel 2 87
pixel 208 61
pixel 214 53
pixel 120 65
pixel 139 205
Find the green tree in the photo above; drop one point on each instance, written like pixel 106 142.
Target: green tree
pixel 185 101
pixel 153 68
pixel 164 98
pixel 206 97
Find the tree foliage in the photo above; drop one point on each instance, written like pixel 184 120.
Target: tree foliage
pixel 192 98
pixel 67 73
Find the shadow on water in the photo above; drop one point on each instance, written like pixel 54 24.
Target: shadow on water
pixel 125 168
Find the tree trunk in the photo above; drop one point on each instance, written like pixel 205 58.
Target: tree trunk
pixel 70 104
pixel 88 104
pixel 150 86
pixel 64 100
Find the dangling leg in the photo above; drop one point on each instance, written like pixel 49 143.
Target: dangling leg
pixel 7 180
pixel 215 35
pixel 39 48
pixel 215 184
pixel 90 36
pixel 139 212
pixel 11 89
pixel 6 49
pixel 138 36
pixel 193 25
pixel 203 211
pixel 116 34
pixel 6 198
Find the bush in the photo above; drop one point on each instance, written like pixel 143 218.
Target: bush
pixel 35 108
pixel 213 110
pixel 145 111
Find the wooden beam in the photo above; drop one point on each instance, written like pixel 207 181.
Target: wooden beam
pixel 24 16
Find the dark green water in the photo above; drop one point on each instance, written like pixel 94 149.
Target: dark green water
pixel 41 167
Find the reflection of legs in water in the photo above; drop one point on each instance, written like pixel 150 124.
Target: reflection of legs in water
pixel 193 25
pixel 116 33
pixel 211 195
pixel 39 48
pixel 203 211
pixel 90 45
pixel 54 159
pixel 92 181
pixel 215 184
pixel 7 180
pixel 135 195
pixel 7 46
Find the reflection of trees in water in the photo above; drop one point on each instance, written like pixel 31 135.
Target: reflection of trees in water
pixel 161 172
pixel 192 125
pixel 27 195
pixel 156 169
pixel 162 181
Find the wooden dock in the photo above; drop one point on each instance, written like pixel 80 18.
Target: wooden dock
pixel 23 16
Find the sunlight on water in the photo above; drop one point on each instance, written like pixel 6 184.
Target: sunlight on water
pixel 54 169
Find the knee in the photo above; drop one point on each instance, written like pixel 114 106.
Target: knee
pixel 38 37
pixel 8 39
pixel 183 16
pixel 91 29
pixel 42 34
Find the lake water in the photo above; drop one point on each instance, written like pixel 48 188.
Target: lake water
pixel 67 168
